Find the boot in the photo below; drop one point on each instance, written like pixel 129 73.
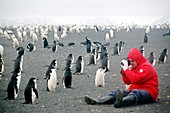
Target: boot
pixel 124 101
pixel 102 100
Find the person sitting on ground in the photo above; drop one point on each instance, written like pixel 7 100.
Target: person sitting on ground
pixel 141 77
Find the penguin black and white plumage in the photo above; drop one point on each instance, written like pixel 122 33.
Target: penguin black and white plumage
pixel 89 45
pixel 13 86
pixel 142 50
pixel 51 76
pixel 103 52
pixel 146 38
pixel 67 78
pixel 60 44
pixel 1 65
pixel 116 50
pixel 1 50
pixel 100 77
pixel 92 60
pixel 79 65
pixel 31 92
pixel 31 47
pixel 20 50
pixel 152 58
pixel 163 57
pixel 121 43
pixel 98 53
pixel 96 28
pixel 54 47
pixel 19 60
pixel 45 43
pixel 71 44
pixel 105 62
pixel 69 61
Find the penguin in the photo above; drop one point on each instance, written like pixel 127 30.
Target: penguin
pixel 51 76
pixel 1 50
pixel 31 47
pixel 19 60
pixel 98 53
pixel 116 50
pixel 96 28
pixel 103 52
pixel 60 44
pixel 15 41
pixel 105 62
pixel 100 77
pixel 20 50
pixel 30 92
pixel 71 44
pixel 79 65
pixel 152 59
pixel 146 38
pixel 89 45
pixel 45 43
pixel 54 47
pixel 142 50
pixel 1 65
pixel 67 78
pixel 163 57
pixel 92 59
pixel 13 86
pixel 69 61
pixel 121 43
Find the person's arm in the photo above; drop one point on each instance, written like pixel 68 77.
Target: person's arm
pixel 140 76
pixel 124 78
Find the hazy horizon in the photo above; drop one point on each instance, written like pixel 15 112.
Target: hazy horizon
pixel 128 11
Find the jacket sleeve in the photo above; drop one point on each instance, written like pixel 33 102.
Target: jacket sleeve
pixel 142 74
pixel 125 78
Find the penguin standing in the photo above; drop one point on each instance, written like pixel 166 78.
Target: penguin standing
pixel 100 77
pixel 152 59
pixel 1 65
pixel 116 50
pixel 67 78
pixel 31 92
pixel 146 38
pixel 19 60
pixel 13 86
pixel 69 61
pixel 121 43
pixel 51 76
pixel 163 56
pixel 92 59
pixel 54 47
pixel 31 47
pixel 142 50
pixel 105 62
pixel 88 46
pixel 45 43
pixel 98 52
pixel 79 65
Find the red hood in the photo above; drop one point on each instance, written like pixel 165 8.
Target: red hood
pixel 136 55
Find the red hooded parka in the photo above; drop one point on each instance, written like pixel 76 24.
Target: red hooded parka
pixel 143 77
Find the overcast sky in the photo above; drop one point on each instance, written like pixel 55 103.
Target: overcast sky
pixel 102 8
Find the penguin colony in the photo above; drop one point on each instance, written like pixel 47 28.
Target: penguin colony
pixel 96 54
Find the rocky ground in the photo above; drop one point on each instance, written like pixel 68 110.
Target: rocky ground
pixel 72 100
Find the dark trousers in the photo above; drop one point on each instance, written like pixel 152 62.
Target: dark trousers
pixel 142 96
